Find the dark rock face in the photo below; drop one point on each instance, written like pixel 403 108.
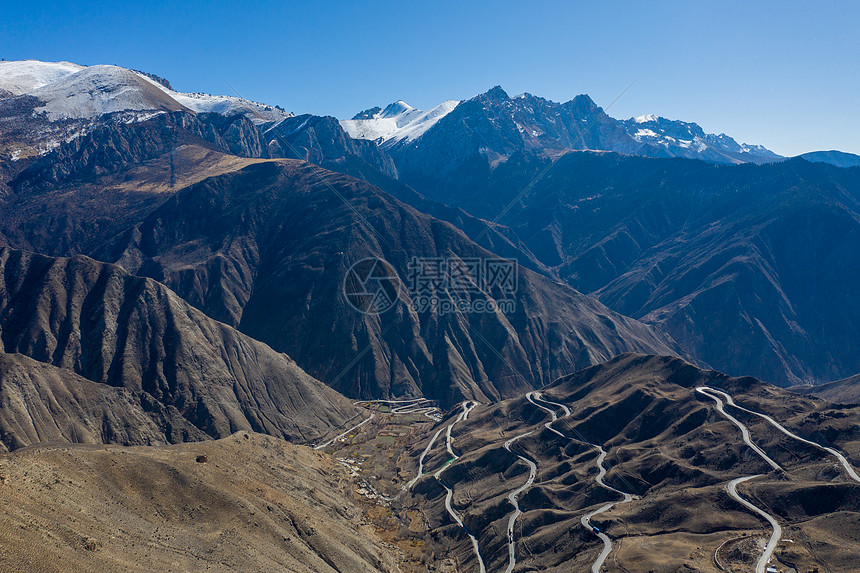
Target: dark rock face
pixel 158 79
pixel 323 141
pixel 115 145
pixel 111 328
pixel 241 264
pixel 368 113
pixel 267 249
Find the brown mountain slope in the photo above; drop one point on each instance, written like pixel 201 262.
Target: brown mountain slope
pixel 267 249
pixel 244 503
pixel 73 218
pixel 97 321
pixel 42 403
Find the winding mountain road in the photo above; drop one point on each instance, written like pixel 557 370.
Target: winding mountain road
pixel 713 395
pixel 722 399
pixel 532 396
pixel 449 496
pixel 421 458
pixel 513 497
pixel 408 406
pixel 341 435
pixel 538 400
pixel 732 488
pixel 464 415
pixel 717 396
pixel 846 465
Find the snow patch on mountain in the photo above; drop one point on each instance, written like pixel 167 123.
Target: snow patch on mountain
pixel 648 117
pixel 398 121
pixel 229 105
pixel 643 133
pixel 17 78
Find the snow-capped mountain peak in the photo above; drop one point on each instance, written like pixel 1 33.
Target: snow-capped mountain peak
pixel 71 91
pixel 494 126
pixel 398 121
pixel 397 109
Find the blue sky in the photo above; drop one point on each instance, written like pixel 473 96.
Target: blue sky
pixel 784 74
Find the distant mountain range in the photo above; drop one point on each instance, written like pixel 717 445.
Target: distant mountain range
pixel 673 243
pixel 556 186
pixel 64 92
pixel 528 122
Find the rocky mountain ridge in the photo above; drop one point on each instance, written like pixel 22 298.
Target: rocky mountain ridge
pixel 133 334
pixel 267 249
